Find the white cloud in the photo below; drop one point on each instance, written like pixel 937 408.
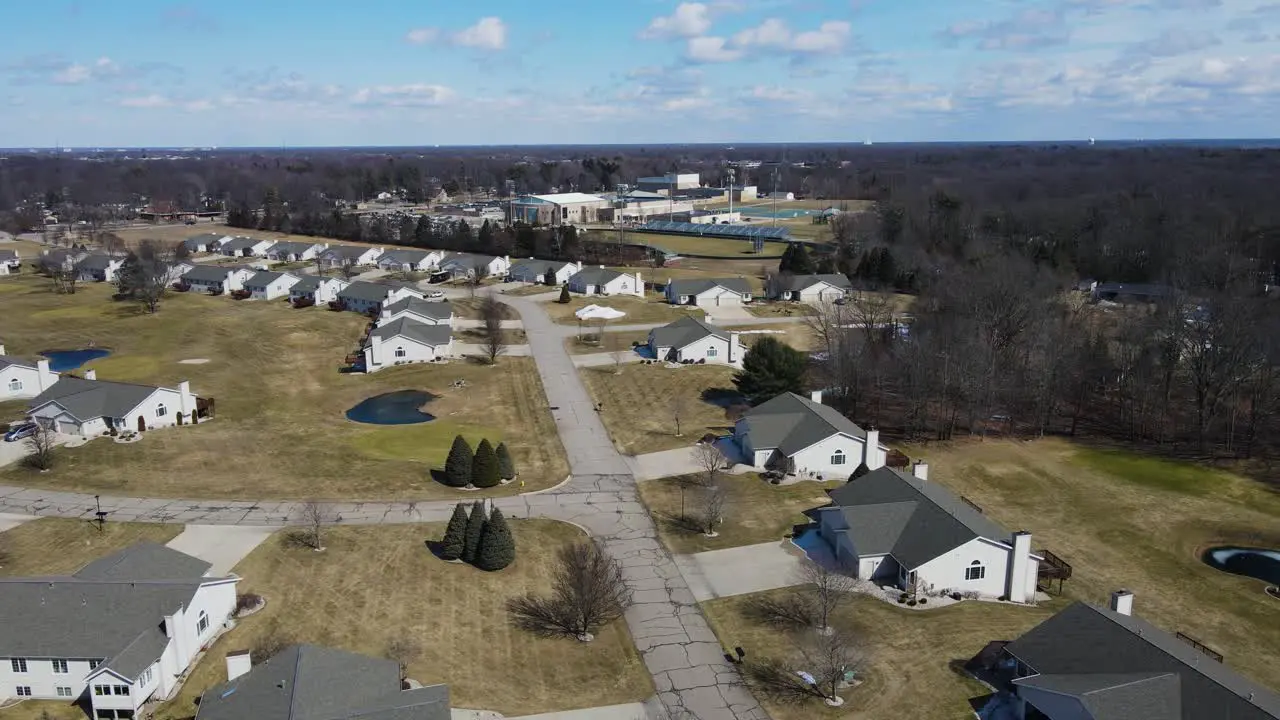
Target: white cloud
pixel 690 19
pixel 146 101
pixel 77 74
pixel 830 37
pixel 711 50
pixel 488 34
pixel 412 95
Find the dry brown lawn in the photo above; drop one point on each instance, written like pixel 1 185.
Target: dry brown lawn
pixel 178 233
pixel 593 342
pixel 375 584
pixel 58 546
pixel 637 404
pixel 1131 521
pixel 469 308
pixel 796 334
pixel 651 309
pixel 913 656
pixel 41 710
pixel 280 429
pixel 757 512
pixel 770 308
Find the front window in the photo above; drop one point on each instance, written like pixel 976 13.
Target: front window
pixel 712 352
pixel 19 664
pixel 202 623
pixel 120 689
pixel 59 667
pixel 15 385
pixel 101 690
pixel 94 664
pixel 975 571
pixel 400 352
pixel 23 691
pixel 64 692
pixel 839 458
pixel 161 410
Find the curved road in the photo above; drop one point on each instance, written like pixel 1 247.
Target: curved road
pixel 679 649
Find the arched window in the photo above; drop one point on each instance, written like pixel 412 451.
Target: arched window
pixel 712 352
pixel 400 352
pixel 839 458
pixel 15 385
pixel 202 623
pixel 161 410
pixel 975 571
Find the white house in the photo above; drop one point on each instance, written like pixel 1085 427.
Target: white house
pixel 316 289
pixel 709 293
pixel 122 630
pixel 98 267
pixel 177 270
pixel 208 242
pixel 692 340
pixel 465 265
pixel 406 341
pixel 89 407
pixel 245 247
pixel 369 298
pixel 809 288
pixel 216 279
pixel 354 687
pixel 1089 662
pixel 268 285
pixel 349 255
pixel 603 281
pixel 22 378
pixel 801 436
pixel 536 271
pixel 900 529
pixel 10 262
pixel 295 251
pixel 410 260
pixel 417 309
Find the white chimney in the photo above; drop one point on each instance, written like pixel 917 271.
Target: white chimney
pixel 733 347
pixel 639 285
pixel 1122 602
pixel 90 374
pixel 239 662
pixel 921 470
pixel 1019 568
pixel 816 396
pixel 47 376
pixel 871 454
pixel 1 349
pixel 186 401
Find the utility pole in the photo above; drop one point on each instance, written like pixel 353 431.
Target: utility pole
pixel 775 196
pixel 732 174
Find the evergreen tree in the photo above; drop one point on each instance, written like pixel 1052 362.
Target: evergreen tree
pixel 770 368
pixel 497 547
pixel 486 237
pixel 799 263
pixel 422 233
pixel 564 295
pixel 475 529
pixel 457 467
pixel 484 468
pixel 455 535
pixel 506 467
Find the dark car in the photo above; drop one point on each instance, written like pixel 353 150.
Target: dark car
pixel 20 432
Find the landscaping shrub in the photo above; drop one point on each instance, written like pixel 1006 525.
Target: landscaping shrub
pixel 475 528
pixel 457 467
pixel 484 467
pixel 770 368
pixel 497 547
pixel 455 535
pixel 564 295
pixel 506 467
pixel 247 601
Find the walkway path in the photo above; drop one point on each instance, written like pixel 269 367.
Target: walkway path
pixel 674 639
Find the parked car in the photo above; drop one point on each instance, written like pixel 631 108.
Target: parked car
pixel 435 295
pixel 20 431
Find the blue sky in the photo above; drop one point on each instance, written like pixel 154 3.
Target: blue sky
pixel 396 72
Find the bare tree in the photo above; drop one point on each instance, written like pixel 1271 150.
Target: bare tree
pixel 819 667
pixel 709 460
pixel 679 409
pixel 588 591
pixel 477 278
pixel 348 268
pixel 40 447
pixel 818 595
pixel 403 651
pixel 61 269
pixel 715 496
pixel 269 644
pixel 111 243
pixel 314 517
pixel 491 314
pixel 619 352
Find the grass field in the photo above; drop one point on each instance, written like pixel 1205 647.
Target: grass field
pixel 730 247
pixel 651 309
pixel 612 341
pixel 375 584
pixel 57 546
pixel 468 308
pixel 280 429
pixel 797 334
pixel 637 403
pixel 41 710
pixel 757 512
pixel 781 309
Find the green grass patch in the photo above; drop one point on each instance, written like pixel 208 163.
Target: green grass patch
pixel 425 442
pixel 1170 475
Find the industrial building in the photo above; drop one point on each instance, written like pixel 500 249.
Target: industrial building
pixel 671 183
pixel 559 209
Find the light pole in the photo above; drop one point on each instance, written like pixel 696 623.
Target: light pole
pixel 731 174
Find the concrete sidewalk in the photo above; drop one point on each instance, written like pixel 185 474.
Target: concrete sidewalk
pixel 9 521
pixel 629 711
pixel 741 570
pixel 222 545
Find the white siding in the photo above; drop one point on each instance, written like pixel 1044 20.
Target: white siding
pixel 416 318
pixel 822 292
pixel 718 297
pixel 379 354
pixel 947 571
pixel 29 382
pixel 817 459
pixel 44 683
pixel 276 288
pixel 624 285
pixel 699 351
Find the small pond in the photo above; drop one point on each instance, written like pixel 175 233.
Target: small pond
pixel 402 407
pixel 65 360
pixel 1257 563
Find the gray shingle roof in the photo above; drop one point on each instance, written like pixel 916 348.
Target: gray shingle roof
pixel 594 276
pixel 470 261
pixel 695 286
pixel 432 335
pixel 1084 640
pixel 263 278
pixel 795 283
pixel 113 609
pixel 7 360
pixel 346 252
pixel 306 682
pixel 915 521
pixel 89 399
pixel 197 240
pixel 95 261
pixel 209 273
pixel 8 255
pixel 290 248
pixel 404 256
pixel 236 244
pixel 1151 696
pixel 533 267
pixel 791 423
pixel 683 332
pixel 307 284
pixel 418 306
pixel 367 291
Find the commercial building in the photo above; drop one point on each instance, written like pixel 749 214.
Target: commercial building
pixel 559 209
pixel 665 184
